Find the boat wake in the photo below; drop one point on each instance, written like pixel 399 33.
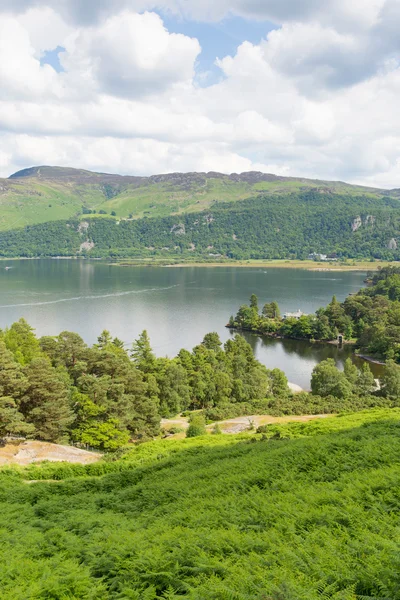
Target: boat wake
pixel 92 297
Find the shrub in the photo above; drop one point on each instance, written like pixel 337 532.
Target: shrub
pixel 197 426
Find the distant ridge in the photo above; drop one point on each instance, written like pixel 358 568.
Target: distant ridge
pixel 47 193
pixel 50 172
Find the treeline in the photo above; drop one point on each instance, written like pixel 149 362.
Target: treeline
pixel 272 227
pixel 61 390
pixel 58 388
pixel 370 318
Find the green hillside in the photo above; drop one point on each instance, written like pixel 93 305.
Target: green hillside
pixel 270 226
pixel 304 512
pixel 42 194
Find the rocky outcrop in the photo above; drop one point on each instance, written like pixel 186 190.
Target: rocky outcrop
pixel 178 229
pixel 392 244
pixel 356 224
pixel 83 227
pixel 370 220
pixel 86 246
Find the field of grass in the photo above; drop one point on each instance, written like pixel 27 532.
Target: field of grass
pixel 304 512
pixel 309 265
pixel 47 194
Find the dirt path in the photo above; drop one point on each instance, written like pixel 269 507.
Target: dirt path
pixel 32 451
pixel 239 424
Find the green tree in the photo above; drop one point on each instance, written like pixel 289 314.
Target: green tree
pixel 350 371
pixel 197 426
pixel 142 354
pixel 174 390
pixel 104 339
pixel 327 380
pixel 390 381
pixel 365 383
pixel 11 420
pixel 254 302
pixel 13 382
pixel 22 342
pixel 212 341
pixel 279 383
pixel 271 310
pixel 45 402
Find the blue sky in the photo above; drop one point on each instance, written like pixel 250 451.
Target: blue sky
pixel 217 39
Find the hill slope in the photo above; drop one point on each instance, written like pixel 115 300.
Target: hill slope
pixel 269 226
pixel 41 194
pixel 217 517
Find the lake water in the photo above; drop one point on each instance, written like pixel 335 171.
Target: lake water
pixel 176 305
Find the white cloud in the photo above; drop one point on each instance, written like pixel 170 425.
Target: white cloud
pixel 21 74
pixel 131 55
pixel 318 97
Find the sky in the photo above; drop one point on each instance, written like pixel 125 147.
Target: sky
pixel 304 88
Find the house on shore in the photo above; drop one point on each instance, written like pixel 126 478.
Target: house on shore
pixel 323 257
pixel 293 315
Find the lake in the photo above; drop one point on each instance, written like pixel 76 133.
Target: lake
pixel 177 306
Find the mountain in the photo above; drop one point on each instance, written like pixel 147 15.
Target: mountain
pixel 42 194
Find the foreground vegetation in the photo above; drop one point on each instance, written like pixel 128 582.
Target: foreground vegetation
pixel 303 512
pixel 289 226
pixel 370 318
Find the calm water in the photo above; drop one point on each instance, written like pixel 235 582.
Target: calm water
pixel 176 305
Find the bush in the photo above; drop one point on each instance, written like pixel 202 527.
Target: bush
pixel 197 426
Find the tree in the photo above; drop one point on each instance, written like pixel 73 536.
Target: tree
pixel 174 390
pixel 365 383
pixel 11 420
pixel 22 342
pixel 93 428
pixel 327 380
pixel 391 381
pixel 279 383
pixel 247 317
pixel 197 426
pixel 212 341
pixel 70 349
pixel 254 302
pixel 142 354
pixel 45 402
pixel 13 382
pixel 104 339
pixel 350 371
pixel 271 310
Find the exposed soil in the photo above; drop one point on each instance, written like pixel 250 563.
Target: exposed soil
pixel 26 453
pixel 239 424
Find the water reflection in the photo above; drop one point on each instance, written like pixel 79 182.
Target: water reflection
pixel 298 357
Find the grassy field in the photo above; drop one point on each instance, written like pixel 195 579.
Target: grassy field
pixel 304 512
pixel 309 265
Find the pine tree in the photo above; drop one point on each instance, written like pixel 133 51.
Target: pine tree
pixel 13 382
pixel 142 354
pixel 46 401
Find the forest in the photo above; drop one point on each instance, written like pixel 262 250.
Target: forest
pixel 370 318
pixel 285 226
pixel 59 389
pixel 302 512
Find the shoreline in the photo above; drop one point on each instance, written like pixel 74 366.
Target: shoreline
pixel 347 343
pixel 308 265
